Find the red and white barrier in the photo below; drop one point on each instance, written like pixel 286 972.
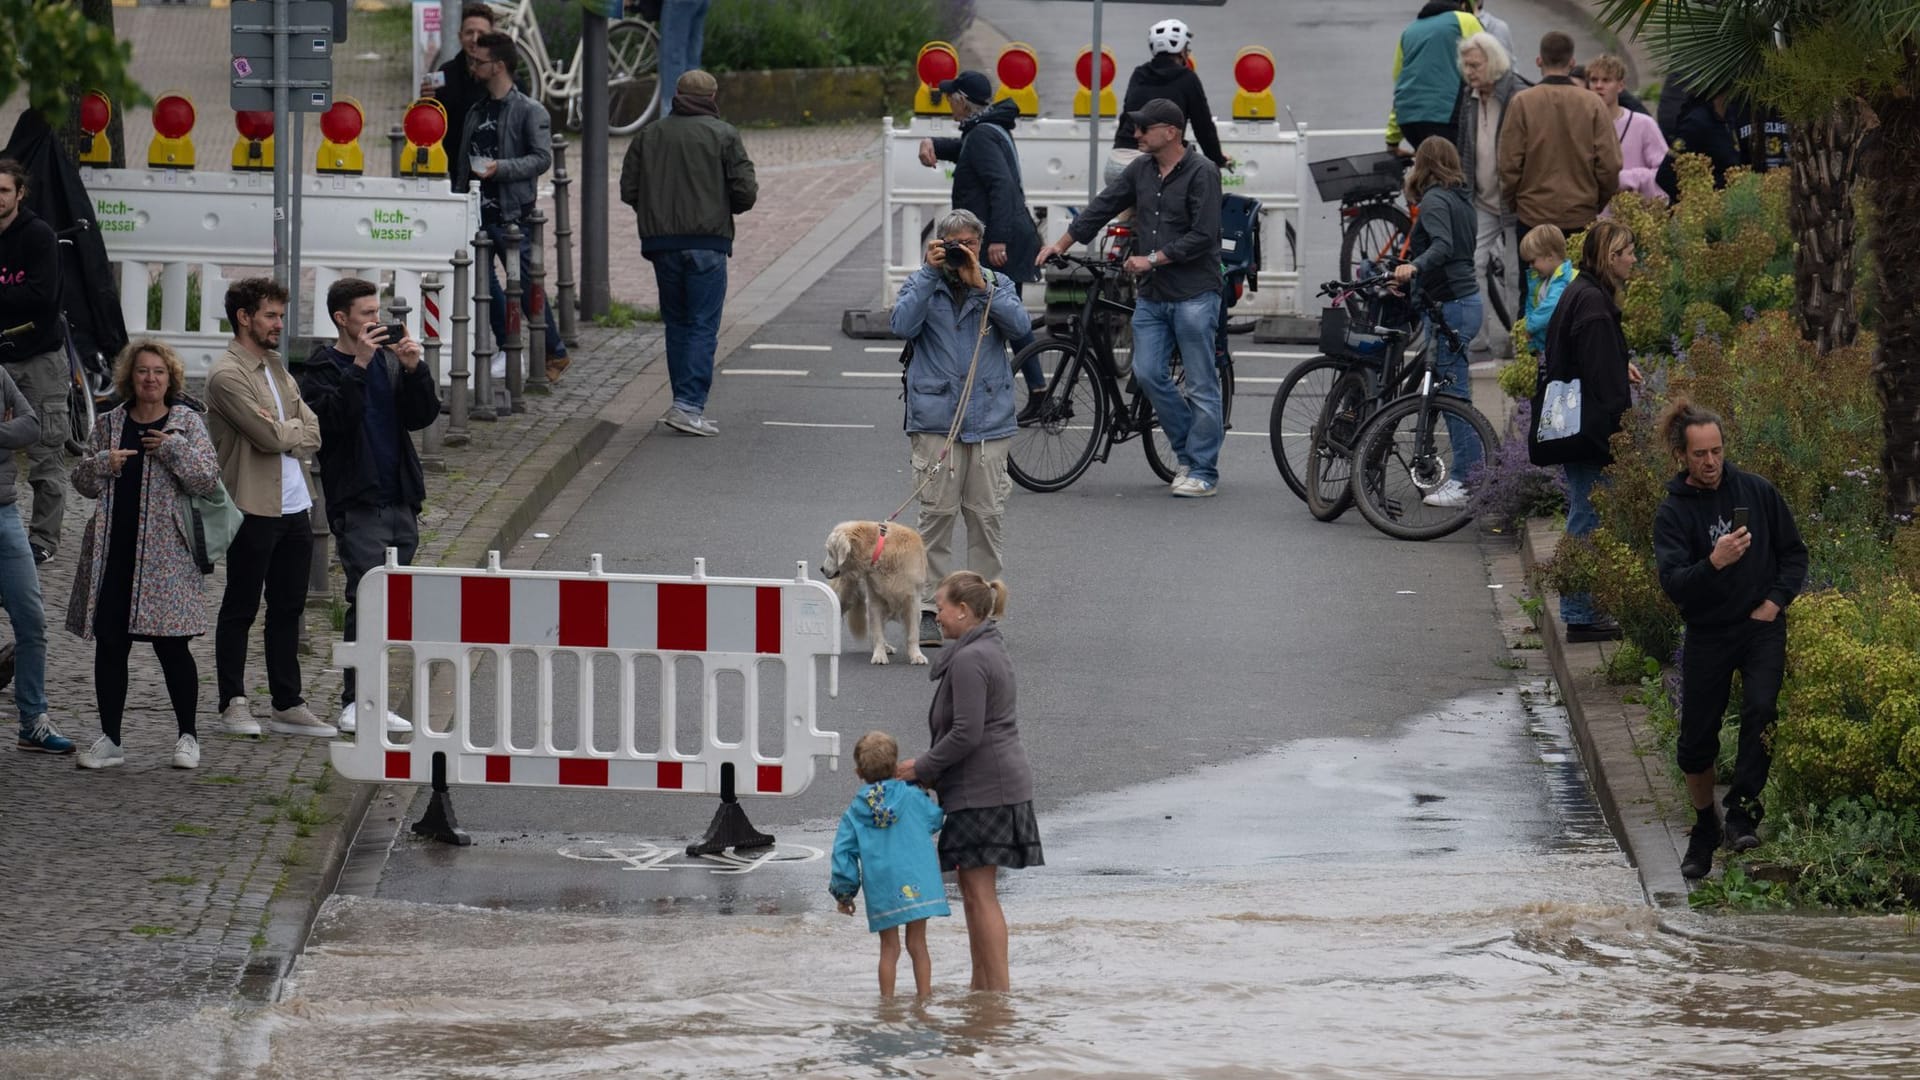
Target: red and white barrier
pixel 460 616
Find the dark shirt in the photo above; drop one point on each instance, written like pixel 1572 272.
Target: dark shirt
pixel 113 609
pixel 380 416
pixel 29 286
pixel 461 93
pixel 1691 520
pixel 1178 216
pixel 486 144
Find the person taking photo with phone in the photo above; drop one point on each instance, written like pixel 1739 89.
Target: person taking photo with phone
pixel 371 392
pixel 1731 558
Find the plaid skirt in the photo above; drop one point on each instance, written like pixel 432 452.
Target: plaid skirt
pixel 991 836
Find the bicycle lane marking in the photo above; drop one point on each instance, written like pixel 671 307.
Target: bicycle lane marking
pixel 646 856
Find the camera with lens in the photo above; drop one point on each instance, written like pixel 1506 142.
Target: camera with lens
pixel 958 254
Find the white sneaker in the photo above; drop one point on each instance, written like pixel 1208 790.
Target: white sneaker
pixel 237 718
pixel 689 423
pixel 186 753
pixel 103 754
pixel 1451 495
pixel 348 722
pixel 300 720
pixel 1180 473
pixel 1189 488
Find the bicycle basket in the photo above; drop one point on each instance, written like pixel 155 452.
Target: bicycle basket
pixel 1362 176
pixel 1341 335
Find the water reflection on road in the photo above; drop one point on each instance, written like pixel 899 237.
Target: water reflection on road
pixel 1441 903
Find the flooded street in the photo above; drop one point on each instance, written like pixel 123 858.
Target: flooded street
pixel 1391 907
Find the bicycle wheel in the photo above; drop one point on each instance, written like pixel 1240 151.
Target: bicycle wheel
pixel 1396 465
pixel 633 66
pixel 1160 457
pixel 1295 408
pixel 1375 231
pixel 1330 456
pixel 1053 450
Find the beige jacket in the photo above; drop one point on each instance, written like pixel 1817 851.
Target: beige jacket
pixel 1559 156
pixel 249 441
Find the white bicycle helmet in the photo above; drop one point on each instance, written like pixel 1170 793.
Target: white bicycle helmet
pixel 1169 36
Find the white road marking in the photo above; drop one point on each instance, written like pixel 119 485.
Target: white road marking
pixel 1238 353
pixel 869 374
pixel 1261 379
pixel 764 371
pixel 895 349
pixel 791 348
pixel 797 423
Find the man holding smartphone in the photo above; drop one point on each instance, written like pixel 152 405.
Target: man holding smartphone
pixel 1731 558
pixel 370 391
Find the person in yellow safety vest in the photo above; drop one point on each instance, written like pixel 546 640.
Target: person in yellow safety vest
pixel 1426 73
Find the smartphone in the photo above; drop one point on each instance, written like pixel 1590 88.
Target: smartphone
pixel 1739 518
pixel 437 79
pixel 396 332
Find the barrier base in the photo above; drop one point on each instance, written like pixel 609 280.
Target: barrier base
pixel 438 822
pixel 729 829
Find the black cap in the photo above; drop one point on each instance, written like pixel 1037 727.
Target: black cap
pixel 1157 111
pixel 974 86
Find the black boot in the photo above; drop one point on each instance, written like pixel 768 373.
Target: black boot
pixel 1701 844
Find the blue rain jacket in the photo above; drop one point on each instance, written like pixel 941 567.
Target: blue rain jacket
pixel 886 843
pixel 943 341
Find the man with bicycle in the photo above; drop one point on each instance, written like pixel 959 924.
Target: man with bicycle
pixel 35 352
pixel 959 318
pixel 1174 192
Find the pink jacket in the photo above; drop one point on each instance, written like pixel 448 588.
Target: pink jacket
pixel 1642 149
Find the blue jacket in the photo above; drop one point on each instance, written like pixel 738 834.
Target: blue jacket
pixel 1540 312
pixel 886 841
pixel 943 344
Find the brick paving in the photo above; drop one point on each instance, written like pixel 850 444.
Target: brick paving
pixel 151 891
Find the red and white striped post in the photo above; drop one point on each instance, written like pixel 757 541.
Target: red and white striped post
pixel 432 440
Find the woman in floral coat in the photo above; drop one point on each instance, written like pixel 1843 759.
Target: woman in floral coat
pixel 138 579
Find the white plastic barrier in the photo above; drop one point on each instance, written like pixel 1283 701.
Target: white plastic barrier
pixel 1271 166
pixel 748 627
pixel 362 226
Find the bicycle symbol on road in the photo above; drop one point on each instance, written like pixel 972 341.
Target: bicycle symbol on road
pixel 645 856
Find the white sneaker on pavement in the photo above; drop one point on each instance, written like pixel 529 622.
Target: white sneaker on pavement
pixel 1180 473
pixel 1450 496
pixel 1188 487
pixel 186 753
pixel 103 754
pixel 300 720
pixel 348 722
pixel 689 423
pixel 237 718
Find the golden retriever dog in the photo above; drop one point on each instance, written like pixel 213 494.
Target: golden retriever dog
pixel 878 581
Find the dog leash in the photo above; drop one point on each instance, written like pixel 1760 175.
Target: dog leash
pixel 953 429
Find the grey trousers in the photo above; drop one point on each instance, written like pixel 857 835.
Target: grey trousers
pixel 45 382
pixel 363 537
pixel 972 483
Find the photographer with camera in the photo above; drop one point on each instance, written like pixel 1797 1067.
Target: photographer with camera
pixel 959 318
pixel 370 391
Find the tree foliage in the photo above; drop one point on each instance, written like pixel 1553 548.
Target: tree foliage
pixel 55 48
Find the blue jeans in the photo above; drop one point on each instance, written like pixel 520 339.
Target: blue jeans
pixel 1192 422
pixel 1036 378
pixel 1464 316
pixel 693 289
pixel 497 313
pixel 1582 478
pixel 683 34
pixel 20 593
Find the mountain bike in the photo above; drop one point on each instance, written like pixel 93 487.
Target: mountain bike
pixel 1085 411
pixel 633 61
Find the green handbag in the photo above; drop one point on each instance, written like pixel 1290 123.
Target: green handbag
pixel 215 521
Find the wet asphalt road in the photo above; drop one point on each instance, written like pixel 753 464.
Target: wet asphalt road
pixel 1151 635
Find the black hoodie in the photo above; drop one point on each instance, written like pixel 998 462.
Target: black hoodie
pixel 986 183
pixel 30 286
pixel 1167 76
pixel 1691 519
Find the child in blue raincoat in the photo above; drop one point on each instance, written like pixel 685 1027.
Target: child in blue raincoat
pixel 886 843
pixel 1544 250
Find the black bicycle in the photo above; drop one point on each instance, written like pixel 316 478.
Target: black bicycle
pixel 1085 410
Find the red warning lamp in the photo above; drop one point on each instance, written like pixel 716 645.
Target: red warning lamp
pixel 254 125
pixel 96 112
pixel 254 151
pixel 342 123
pixel 1083 72
pixel 1253 72
pixel 425 124
pixel 1017 68
pixel 340 128
pixel 936 63
pixel 172 146
pixel 173 116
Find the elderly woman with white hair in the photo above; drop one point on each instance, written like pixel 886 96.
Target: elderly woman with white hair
pixel 1488 83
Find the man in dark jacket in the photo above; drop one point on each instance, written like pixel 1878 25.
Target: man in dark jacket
pixel 686 176
pixel 986 184
pixel 1174 193
pixel 37 358
pixel 453 84
pixel 370 392
pixel 1168 73
pixel 1731 558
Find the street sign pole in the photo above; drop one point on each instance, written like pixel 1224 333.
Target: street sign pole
pixel 282 237
pixel 596 292
pixel 1093 113
pixel 296 330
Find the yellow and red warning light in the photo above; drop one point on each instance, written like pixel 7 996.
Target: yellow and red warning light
pixel 96 112
pixel 1083 73
pixel 1017 69
pixel 340 128
pixel 425 125
pixel 1253 73
pixel 172 145
pixel 254 151
pixel 936 63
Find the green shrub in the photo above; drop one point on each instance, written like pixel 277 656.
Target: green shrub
pixel 1852 854
pixel 1850 710
pixel 753 35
